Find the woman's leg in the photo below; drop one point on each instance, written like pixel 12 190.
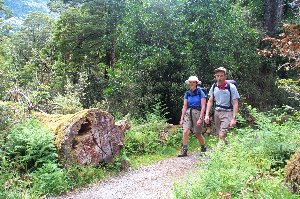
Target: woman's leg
pixel 185 141
pixel 201 140
pixel 185 136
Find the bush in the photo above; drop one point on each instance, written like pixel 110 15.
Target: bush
pixel 79 175
pixel 251 166
pixel 12 184
pixel 29 145
pixel 10 113
pixel 49 180
pixel 141 140
pixel 68 104
pixel 145 138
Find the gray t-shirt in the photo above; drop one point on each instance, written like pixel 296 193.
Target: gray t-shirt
pixel 222 97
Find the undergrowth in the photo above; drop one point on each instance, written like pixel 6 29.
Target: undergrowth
pixel 250 166
pixel 30 167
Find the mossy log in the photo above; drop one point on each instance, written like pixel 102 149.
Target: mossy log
pixel 292 173
pixel 88 137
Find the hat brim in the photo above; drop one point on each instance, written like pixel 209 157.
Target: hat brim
pixel 218 70
pixel 188 81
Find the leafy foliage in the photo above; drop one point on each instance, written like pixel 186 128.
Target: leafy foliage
pixel 250 166
pixel 10 113
pixel 29 145
pixel 132 53
pixel 145 138
pixel 68 104
pixel 49 180
pixel 287 45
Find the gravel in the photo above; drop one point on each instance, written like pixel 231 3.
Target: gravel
pixel 153 181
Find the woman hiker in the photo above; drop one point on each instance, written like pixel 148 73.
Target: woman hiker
pixel 192 114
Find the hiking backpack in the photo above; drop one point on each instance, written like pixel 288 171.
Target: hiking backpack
pixel 201 87
pixel 228 88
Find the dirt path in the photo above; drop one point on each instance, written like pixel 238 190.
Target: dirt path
pixel 153 181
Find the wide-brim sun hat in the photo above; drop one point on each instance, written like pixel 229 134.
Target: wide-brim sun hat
pixel 193 79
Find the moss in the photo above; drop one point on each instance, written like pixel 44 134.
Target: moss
pixel 292 173
pixel 76 136
pixel 58 123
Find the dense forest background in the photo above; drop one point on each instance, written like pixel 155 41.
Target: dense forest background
pixel 133 56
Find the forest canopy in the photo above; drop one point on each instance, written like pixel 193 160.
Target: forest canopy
pixel 126 56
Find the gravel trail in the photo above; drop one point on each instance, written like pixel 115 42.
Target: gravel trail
pixel 152 181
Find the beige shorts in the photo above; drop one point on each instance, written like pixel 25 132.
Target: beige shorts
pixel 187 124
pixel 222 120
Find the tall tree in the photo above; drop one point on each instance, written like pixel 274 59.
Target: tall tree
pixel 85 38
pixel 273 15
pixel 26 49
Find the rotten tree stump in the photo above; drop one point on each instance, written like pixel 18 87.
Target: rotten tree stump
pixel 88 137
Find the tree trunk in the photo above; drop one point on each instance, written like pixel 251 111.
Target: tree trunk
pixel 273 15
pixel 88 137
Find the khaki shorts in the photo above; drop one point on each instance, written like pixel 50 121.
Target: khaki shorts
pixel 187 124
pixel 222 120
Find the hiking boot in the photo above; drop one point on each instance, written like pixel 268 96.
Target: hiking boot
pixel 203 148
pixel 183 151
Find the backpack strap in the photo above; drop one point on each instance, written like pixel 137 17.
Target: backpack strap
pixel 228 87
pixel 213 91
pixel 198 92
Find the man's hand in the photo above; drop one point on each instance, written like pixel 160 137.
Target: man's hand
pixel 199 122
pixel 232 123
pixel 206 119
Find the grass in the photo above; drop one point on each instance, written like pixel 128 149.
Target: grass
pixel 251 166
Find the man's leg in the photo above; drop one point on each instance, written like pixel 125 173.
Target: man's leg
pixel 222 135
pixel 200 138
pixel 217 122
pixel 225 119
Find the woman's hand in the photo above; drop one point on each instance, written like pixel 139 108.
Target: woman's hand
pixel 199 122
pixel 181 122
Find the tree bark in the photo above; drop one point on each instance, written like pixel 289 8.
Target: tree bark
pixel 273 15
pixel 88 137
pixel 292 173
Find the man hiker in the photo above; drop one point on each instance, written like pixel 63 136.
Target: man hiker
pixel 225 96
pixel 192 114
